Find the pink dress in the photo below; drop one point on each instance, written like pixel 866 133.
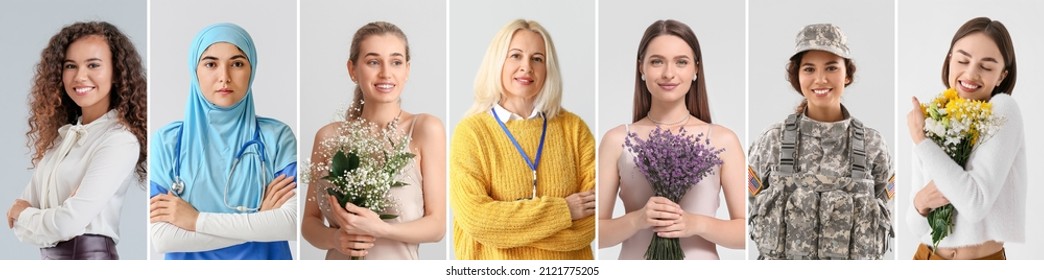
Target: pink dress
pixel 409 205
pixel 635 191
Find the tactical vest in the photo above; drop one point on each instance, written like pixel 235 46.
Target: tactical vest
pixel 802 215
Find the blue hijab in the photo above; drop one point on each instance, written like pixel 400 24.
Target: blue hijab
pixel 209 139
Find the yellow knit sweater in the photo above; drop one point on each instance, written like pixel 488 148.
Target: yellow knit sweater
pixel 491 185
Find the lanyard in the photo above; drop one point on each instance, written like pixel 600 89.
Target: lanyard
pixel 540 149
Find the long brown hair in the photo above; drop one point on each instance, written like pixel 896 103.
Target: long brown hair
pixel 371 29
pixel 794 66
pixel 51 107
pixel 996 31
pixel 696 99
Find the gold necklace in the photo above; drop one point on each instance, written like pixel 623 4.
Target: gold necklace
pixel 686 119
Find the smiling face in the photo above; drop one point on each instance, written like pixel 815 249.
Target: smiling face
pixel 224 74
pixel 823 77
pixel 525 66
pixel 976 66
pixel 381 69
pixel 669 66
pixel 87 73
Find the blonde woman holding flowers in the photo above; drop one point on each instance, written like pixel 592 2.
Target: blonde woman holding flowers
pixel 670 93
pixel 820 181
pixel 989 191
pixel 522 166
pixel 379 65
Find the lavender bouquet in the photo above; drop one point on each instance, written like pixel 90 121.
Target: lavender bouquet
pixel 672 163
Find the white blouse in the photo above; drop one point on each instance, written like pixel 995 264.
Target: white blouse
pixel 78 186
pixel 989 192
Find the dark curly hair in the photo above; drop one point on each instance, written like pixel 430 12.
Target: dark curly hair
pixel 51 107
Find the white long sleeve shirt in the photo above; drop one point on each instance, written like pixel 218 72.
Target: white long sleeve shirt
pixel 78 186
pixel 989 193
pixel 220 230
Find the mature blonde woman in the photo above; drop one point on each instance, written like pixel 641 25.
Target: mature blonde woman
pixel 522 167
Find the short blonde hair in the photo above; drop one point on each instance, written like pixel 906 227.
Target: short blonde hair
pixel 488 85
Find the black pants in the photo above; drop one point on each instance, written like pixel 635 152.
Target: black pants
pixel 83 247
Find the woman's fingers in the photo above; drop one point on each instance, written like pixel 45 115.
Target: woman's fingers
pixel 284 195
pixel 338 212
pixel 276 192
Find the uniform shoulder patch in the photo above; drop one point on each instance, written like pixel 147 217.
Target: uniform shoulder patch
pixel 890 189
pixel 754 184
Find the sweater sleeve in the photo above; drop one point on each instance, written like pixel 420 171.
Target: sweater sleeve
pixel 106 171
pixel 918 224
pixel 499 224
pixel 581 233
pixel 973 189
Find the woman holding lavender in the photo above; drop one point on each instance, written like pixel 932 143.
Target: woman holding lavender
pixel 671 105
pixel 820 181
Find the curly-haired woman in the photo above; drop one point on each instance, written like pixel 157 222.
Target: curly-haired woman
pixel 87 135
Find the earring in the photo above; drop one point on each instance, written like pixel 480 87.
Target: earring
pixel 694 78
pixel 643 77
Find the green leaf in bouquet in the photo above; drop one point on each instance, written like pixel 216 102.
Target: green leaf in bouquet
pixel 388 216
pixel 941 222
pixel 353 161
pixel 399 184
pixel 342 199
pixel 359 201
pixel 339 164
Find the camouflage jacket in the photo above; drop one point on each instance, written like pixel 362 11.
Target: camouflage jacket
pixel 822 205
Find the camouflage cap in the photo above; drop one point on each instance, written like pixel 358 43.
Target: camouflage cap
pixel 823 37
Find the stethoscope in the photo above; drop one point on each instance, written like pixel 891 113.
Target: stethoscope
pixel 178 187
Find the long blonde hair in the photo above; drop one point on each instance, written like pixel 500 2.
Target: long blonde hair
pixel 488 85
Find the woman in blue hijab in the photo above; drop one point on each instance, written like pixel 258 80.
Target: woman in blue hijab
pixel 223 180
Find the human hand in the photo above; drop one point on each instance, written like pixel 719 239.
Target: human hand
pixel 279 191
pixel 172 209
pixel 16 209
pixel 929 198
pixel 353 245
pixel 659 212
pixel 358 220
pixel 581 204
pixel 682 227
pixel 915 122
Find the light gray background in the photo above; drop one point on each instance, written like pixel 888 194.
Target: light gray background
pixel 869 26
pixel 326 36
pixel 473 24
pixel 273 26
pixel 28 26
pixel 719 26
pixel 922 48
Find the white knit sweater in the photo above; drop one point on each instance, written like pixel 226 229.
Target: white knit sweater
pixel 989 193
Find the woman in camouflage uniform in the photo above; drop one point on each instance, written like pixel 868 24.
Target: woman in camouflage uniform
pixel 820 181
